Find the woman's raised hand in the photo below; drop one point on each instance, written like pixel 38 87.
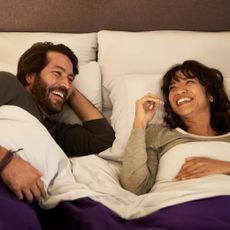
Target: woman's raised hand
pixel 146 108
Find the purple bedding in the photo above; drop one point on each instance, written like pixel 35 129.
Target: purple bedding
pixel 210 214
pixel 86 214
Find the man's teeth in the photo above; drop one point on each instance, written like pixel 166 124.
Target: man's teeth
pixel 181 100
pixel 59 94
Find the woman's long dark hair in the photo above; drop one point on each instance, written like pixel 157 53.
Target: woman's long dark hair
pixel 212 80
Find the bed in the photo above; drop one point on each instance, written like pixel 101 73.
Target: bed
pixel 124 48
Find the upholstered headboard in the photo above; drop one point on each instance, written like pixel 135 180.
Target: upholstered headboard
pixel 80 16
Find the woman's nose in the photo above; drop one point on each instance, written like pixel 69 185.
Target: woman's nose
pixel 181 90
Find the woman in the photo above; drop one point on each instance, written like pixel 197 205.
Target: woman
pixel 196 108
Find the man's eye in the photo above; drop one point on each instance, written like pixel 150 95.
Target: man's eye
pixel 71 79
pixel 57 73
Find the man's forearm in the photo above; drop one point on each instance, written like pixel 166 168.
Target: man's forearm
pixel 83 107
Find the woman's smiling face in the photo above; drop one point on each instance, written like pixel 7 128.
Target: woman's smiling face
pixel 187 96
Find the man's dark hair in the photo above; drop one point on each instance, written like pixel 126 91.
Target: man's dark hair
pixel 212 80
pixel 35 59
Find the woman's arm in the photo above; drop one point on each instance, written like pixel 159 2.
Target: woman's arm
pixel 140 163
pixel 195 167
pixel 139 167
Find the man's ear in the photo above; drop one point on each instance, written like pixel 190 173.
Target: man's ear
pixel 30 78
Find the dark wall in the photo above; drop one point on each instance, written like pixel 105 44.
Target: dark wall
pixel 129 15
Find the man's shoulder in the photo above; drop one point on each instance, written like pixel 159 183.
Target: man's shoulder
pixel 7 76
pixel 9 80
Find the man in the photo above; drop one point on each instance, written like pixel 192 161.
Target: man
pixel 47 71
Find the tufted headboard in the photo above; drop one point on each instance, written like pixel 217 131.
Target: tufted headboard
pixel 81 16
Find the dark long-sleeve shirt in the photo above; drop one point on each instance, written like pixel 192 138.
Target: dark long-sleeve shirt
pixel 76 140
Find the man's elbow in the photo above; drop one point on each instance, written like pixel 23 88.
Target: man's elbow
pixel 107 141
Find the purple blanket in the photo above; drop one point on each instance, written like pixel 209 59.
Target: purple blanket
pixel 86 214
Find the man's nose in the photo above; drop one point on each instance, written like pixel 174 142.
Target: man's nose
pixel 64 82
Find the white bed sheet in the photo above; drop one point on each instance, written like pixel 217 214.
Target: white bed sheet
pixel 98 179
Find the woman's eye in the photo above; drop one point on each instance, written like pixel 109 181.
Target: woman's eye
pixel 190 81
pixel 171 87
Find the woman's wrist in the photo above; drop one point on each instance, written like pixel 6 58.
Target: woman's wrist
pixel 139 124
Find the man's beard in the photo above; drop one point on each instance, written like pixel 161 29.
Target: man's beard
pixel 40 92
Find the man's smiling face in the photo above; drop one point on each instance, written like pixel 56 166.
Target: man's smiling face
pixel 53 86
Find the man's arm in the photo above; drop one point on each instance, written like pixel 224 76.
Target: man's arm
pixel 95 134
pixel 91 138
pixel 22 178
pixel 83 107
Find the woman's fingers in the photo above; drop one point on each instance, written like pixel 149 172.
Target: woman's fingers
pixel 153 98
pixel 149 101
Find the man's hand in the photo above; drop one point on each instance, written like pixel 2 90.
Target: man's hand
pixel 23 179
pixel 195 167
pixel 83 107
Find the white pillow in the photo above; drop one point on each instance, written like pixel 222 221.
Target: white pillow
pixel 19 129
pixel 14 44
pixel 227 86
pixel 125 91
pixel 153 52
pixel 88 82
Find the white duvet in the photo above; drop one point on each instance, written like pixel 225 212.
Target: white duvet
pixel 94 177
pixel 98 179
